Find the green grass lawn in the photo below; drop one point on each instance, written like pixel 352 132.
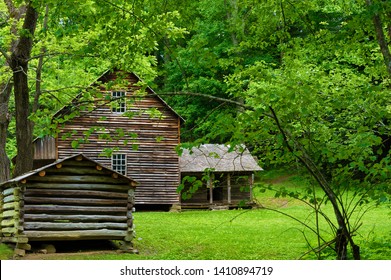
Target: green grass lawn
pixel 239 234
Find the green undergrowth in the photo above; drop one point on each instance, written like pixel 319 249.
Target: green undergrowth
pixel 262 233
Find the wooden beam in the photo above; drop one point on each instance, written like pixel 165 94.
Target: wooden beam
pixel 80 186
pixel 79 158
pixel 42 173
pixel 99 167
pixel 77 179
pixel 8 191
pixel 210 185
pixel 75 235
pixel 74 193
pixel 58 165
pixel 9 198
pixel 73 209
pixel 73 226
pixel 7 223
pixel 229 188
pixel 75 201
pixel 251 183
pixel 10 213
pixel 11 205
pixel 74 218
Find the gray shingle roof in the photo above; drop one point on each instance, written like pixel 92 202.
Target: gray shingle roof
pixel 217 157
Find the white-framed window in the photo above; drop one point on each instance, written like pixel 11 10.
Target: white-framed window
pixel 119 103
pixel 118 163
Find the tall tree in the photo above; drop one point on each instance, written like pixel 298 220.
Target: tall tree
pixel 97 34
pixel 315 90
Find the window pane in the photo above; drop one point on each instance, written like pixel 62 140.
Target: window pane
pixel 119 105
pixel 119 163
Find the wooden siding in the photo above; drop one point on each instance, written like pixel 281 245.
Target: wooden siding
pixel 45 148
pixel 154 164
pixel 74 199
pixel 240 184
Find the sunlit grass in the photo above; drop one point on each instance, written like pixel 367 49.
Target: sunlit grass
pixel 243 234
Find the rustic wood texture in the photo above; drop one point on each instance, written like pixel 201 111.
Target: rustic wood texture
pixel 11 204
pixel 228 189
pixel 45 148
pixel 59 202
pixel 154 164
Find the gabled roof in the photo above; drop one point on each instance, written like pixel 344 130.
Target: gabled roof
pixel 103 78
pixel 36 171
pixel 219 158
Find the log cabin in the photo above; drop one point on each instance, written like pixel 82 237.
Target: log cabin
pixel 225 176
pixel 75 198
pixel 127 128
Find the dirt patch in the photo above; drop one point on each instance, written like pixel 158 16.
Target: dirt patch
pixel 70 249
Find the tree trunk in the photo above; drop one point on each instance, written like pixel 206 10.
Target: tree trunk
pixel 19 65
pixel 381 38
pixel 5 92
pixel 343 236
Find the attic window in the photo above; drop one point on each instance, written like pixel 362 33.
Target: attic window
pixel 119 103
pixel 118 163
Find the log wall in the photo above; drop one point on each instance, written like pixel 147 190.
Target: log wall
pixel 77 201
pixel 74 200
pixel 154 164
pixel 239 185
pixel 11 211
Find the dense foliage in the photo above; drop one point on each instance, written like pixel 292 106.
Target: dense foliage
pixel 299 82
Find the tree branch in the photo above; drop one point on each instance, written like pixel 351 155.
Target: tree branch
pixel 381 38
pixel 211 97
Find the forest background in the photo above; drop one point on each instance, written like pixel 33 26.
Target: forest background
pixel 299 82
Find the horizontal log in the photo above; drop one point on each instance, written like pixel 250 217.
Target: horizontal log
pixel 73 186
pixel 10 213
pixel 11 205
pixel 78 179
pixel 9 230
pixel 80 170
pixel 74 218
pixel 75 201
pixel 7 223
pixel 75 235
pixel 8 191
pixel 72 209
pixel 77 163
pixel 9 198
pixel 74 193
pixel 15 239
pixel 73 226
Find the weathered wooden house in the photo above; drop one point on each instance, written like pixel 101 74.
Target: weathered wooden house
pixel 227 176
pixel 129 129
pixel 74 198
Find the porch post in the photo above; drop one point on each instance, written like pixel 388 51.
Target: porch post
pixel 229 187
pixel 210 185
pixel 251 183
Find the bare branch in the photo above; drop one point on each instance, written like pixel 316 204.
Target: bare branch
pixel 211 97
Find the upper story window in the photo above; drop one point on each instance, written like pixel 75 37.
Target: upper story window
pixel 119 103
pixel 118 163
